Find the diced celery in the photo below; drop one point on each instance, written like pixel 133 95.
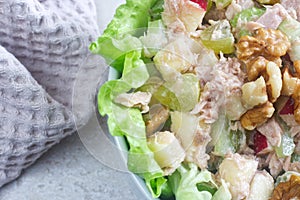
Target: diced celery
pixel 287 146
pixel 218 37
pixel 246 15
pixel 224 139
pixel 220 137
pixel 181 94
pixel 291 28
pixel 240 19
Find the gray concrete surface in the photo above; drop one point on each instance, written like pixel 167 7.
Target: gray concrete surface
pixel 69 171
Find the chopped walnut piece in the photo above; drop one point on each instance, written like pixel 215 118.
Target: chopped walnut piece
pixel 290 83
pixel 256 68
pixel 262 55
pixel 274 81
pixel 257 116
pixel 291 87
pixel 297 67
pixel 271 73
pixel 296 97
pixel 254 93
pixel 249 47
pixel 287 190
pixel 276 43
pixel 268 43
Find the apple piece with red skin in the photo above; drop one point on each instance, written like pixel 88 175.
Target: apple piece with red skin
pixel 260 142
pixel 201 3
pixel 288 108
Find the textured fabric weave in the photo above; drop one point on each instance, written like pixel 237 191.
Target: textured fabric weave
pixel 43 44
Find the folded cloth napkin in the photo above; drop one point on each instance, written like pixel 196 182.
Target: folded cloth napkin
pixel 43 45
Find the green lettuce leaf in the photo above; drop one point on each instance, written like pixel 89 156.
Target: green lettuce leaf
pixel 109 91
pixel 123 121
pixel 135 71
pixel 190 183
pixel 118 38
pixel 156 10
pixel 114 49
pixel 120 46
pixel 223 192
pixel 128 122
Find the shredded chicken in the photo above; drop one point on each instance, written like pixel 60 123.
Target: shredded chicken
pixel 292 7
pixel 291 122
pixel 225 79
pixel 137 99
pixel 272 130
pixel 252 26
pixel 197 151
pixel 297 142
pixel 276 165
pixel 262 164
pixel 295 166
pixel 273 16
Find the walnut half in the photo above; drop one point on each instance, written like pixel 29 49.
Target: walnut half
pixel 287 190
pixel 276 42
pixel 268 43
pixel 257 116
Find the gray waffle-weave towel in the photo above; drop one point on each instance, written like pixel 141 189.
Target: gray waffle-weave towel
pixel 43 44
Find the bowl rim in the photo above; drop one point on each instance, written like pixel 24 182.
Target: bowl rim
pixel 123 147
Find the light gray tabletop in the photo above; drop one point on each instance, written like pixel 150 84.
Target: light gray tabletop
pixel 68 171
